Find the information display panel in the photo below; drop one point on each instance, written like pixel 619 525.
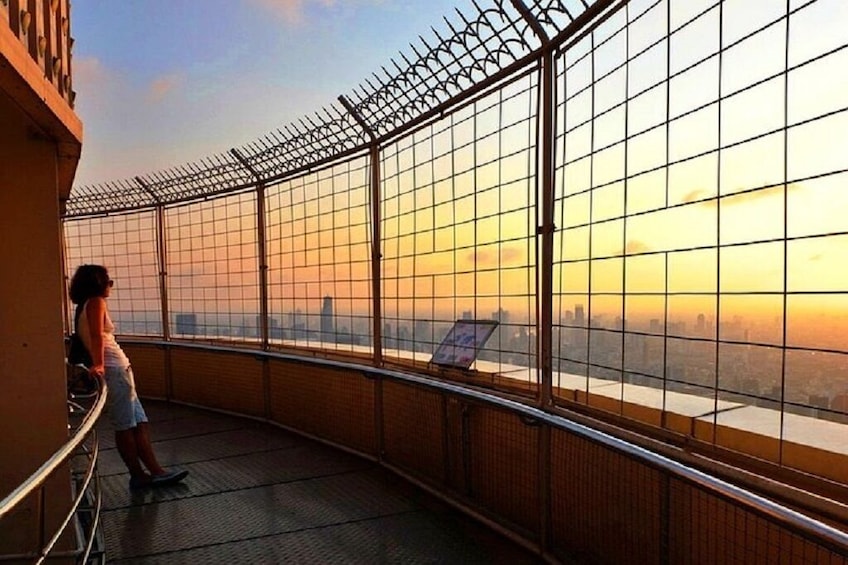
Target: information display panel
pixel 466 337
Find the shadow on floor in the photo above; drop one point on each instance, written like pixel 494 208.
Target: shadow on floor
pixel 259 494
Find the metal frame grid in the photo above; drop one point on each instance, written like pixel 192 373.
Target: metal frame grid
pixel 318 232
pixel 695 229
pixel 127 245
pixel 663 176
pixel 458 226
pixel 473 48
pixel 213 265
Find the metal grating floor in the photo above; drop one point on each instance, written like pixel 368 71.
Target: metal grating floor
pixel 259 494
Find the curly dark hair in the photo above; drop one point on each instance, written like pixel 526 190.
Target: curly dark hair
pixel 88 281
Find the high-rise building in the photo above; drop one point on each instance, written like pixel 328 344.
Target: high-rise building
pixel 328 323
pixel 579 316
pixel 187 324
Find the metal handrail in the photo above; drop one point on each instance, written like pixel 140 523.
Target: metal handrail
pixel 46 470
pixel 794 520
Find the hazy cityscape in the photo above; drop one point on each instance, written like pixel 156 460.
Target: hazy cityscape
pixel 681 357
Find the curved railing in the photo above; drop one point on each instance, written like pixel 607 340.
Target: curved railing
pixel 85 507
pixel 404 418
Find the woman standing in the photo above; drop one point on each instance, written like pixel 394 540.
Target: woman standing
pixel 90 287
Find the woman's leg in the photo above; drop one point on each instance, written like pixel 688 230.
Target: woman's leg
pixel 144 449
pixel 125 441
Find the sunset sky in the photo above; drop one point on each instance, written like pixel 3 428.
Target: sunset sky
pixel 459 196
pixel 164 82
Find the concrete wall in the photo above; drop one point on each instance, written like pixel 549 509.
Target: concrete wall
pixel 33 415
pixel 40 140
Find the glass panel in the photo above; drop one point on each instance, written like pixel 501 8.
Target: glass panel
pixel 691 362
pixel 808 156
pixel 605 351
pixel 608 165
pixel 693 134
pixel 646 151
pixel 607 239
pixel 757 57
pixel 741 17
pixel 693 179
pixel 815 29
pixel 645 313
pixel 752 164
pixel 572 277
pixel 752 268
pixel 817 206
pixel 646 192
pixel 576 209
pixel 608 202
pixel 692 315
pixel 645 273
pixel 751 318
pixel 698 39
pixel 753 371
pixel 649 68
pixel 817 321
pixel 752 216
pixel 575 244
pixel 643 354
pixel 817 264
pixel 693 271
pixel 819 381
pixel 695 88
pixel 647 110
pixel 606 311
pixel 753 112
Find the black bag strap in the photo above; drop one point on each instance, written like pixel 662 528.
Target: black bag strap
pixel 77 316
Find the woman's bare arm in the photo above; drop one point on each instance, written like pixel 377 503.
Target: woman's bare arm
pixel 95 312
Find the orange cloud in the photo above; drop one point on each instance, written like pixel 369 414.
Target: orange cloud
pixel 290 11
pixel 89 70
pixel 748 197
pixel 162 86
pixel 484 259
pixel 693 195
pixel 635 246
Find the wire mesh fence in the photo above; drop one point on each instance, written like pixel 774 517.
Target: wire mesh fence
pixel 696 213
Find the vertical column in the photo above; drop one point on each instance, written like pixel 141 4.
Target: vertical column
pixel 263 265
pixel 376 255
pixel 547 227
pixel 161 257
pixel 376 233
pixel 545 143
pixel 262 248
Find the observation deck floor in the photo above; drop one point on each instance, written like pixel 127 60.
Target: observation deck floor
pixel 260 494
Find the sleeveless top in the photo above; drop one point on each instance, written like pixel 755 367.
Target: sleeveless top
pixel 113 355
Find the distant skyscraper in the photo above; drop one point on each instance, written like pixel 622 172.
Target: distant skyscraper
pixel 467 315
pixel 579 316
pixel 187 324
pixel 328 323
pixel 701 326
pixel 501 316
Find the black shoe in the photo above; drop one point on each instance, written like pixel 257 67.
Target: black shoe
pixel 169 478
